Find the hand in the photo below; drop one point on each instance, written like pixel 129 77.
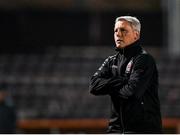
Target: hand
pixel 116 82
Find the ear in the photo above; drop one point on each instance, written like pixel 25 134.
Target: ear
pixel 137 35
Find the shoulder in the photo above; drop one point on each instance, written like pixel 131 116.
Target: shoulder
pixel 145 58
pixel 110 58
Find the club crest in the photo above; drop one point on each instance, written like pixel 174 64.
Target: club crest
pixel 129 66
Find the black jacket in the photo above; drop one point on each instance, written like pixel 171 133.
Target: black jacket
pixel 131 79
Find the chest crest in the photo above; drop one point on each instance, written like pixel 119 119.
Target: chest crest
pixel 129 66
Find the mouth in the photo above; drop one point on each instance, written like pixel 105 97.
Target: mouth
pixel 119 41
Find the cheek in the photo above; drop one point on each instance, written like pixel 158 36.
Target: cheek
pixel 115 36
pixel 127 39
pixel 130 37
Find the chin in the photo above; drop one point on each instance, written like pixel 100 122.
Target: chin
pixel 119 46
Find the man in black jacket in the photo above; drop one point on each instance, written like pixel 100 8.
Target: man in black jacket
pixel 130 78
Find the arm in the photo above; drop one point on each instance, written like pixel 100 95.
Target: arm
pixel 140 78
pixel 102 82
pixel 99 81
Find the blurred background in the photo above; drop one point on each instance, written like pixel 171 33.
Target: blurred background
pixel 49 49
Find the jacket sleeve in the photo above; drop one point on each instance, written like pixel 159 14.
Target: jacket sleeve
pixel 103 83
pixel 99 81
pixel 140 78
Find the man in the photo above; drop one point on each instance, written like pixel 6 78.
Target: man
pixel 7 113
pixel 130 78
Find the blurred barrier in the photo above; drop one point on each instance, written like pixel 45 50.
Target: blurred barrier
pixel 80 125
pixel 64 123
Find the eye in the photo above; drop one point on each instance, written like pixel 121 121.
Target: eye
pixel 115 30
pixel 123 30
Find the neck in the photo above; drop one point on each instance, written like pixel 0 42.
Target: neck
pixel 128 46
pixel 130 49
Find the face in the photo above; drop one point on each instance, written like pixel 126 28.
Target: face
pixel 124 34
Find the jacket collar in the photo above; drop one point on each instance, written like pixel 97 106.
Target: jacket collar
pixel 130 50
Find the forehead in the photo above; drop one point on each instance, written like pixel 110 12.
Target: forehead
pixel 122 23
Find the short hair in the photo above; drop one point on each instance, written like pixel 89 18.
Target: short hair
pixel 135 23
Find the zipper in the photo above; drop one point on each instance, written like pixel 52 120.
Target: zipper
pixel 121 104
pixel 120 62
pixel 123 51
pixel 120 110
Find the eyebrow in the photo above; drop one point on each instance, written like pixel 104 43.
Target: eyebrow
pixel 122 29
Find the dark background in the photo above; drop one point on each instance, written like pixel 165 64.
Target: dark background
pixel 49 49
pixel 27 27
